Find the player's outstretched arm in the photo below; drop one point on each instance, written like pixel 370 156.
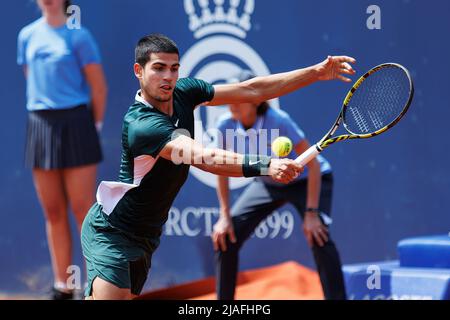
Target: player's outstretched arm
pixel 221 162
pixel 265 88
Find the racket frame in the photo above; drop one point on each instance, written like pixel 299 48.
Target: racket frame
pixel 328 140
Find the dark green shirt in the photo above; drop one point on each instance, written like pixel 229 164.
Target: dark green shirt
pixel 149 183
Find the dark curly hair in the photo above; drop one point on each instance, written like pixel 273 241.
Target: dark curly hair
pixel 153 43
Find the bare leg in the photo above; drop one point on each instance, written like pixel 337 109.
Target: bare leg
pixel 79 183
pixel 80 188
pixel 103 290
pixel 50 190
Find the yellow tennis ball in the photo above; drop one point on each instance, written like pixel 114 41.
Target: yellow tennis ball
pixel 282 146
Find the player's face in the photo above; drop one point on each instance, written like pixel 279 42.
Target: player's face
pixel 51 6
pixel 244 113
pixel 159 76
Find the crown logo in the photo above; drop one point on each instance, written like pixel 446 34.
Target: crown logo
pixel 217 20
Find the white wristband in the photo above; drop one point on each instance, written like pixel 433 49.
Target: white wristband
pixel 99 126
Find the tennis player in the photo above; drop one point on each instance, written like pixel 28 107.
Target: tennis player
pixel 122 230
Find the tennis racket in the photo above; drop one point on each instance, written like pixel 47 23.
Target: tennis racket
pixel 375 103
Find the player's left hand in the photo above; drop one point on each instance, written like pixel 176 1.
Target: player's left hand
pixel 314 230
pixel 335 67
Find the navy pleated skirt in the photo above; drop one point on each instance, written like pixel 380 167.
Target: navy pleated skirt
pixel 58 139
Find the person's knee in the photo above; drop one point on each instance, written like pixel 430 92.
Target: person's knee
pixel 232 248
pixel 80 209
pixel 327 247
pixel 55 213
pixel 228 257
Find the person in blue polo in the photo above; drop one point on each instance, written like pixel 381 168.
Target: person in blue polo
pixel 66 102
pixel 310 193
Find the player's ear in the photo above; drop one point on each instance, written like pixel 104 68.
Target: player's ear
pixel 138 70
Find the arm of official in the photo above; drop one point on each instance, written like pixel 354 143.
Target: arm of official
pixel 96 80
pixel 224 226
pixel 314 230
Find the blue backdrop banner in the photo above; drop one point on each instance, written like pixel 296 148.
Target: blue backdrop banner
pixel 391 187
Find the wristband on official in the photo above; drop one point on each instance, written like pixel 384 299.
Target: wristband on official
pixel 99 126
pixel 315 210
pixel 255 165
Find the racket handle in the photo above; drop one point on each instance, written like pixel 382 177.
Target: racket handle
pixel 308 155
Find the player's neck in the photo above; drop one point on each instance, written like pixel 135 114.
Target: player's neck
pixel 248 123
pixel 55 19
pixel 163 106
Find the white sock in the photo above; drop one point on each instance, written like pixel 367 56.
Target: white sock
pixel 62 286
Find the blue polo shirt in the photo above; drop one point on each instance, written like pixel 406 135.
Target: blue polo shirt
pixel 55 58
pixel 232 136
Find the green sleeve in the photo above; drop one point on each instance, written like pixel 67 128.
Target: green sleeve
pixel 150 135
pixel 197 91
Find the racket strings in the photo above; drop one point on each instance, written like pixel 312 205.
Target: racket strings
pixel 378 101
pixel 360 121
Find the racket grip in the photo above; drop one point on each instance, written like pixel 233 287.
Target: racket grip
pixel 308 155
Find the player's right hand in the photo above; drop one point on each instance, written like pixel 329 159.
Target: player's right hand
pixel 284 170
pixel 222 228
